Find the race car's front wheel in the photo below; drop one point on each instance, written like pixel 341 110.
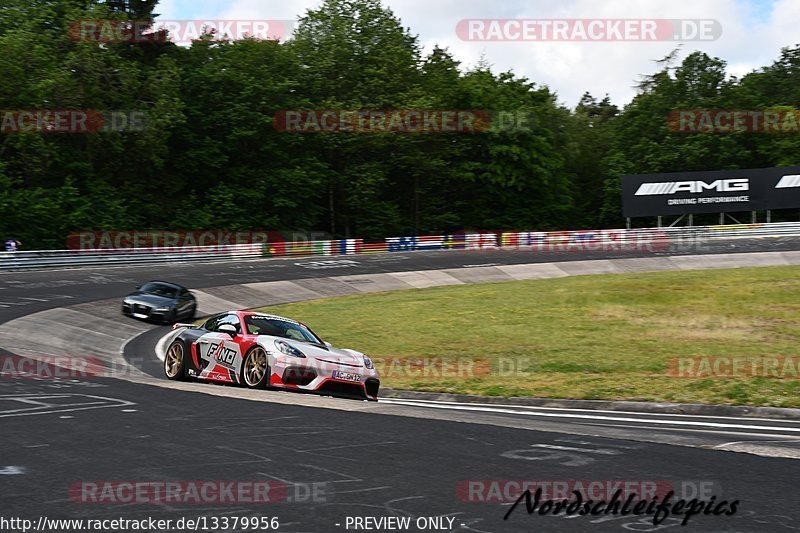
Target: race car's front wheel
pixel 255 368
pixel 175 361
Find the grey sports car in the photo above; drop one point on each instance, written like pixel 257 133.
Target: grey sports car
pixel 160 301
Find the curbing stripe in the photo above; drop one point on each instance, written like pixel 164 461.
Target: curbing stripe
pixel 208 304
pixel 534 271
pixel 425 279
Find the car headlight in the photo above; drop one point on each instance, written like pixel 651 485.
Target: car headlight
pixel 162 309
pixel 288 349
pixel 368 363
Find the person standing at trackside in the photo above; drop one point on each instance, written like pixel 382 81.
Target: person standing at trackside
pixel 12 245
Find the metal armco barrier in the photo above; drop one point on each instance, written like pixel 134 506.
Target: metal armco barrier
pixel 679 239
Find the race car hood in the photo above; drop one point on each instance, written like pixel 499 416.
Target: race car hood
pixel 150 299
pixel 320 353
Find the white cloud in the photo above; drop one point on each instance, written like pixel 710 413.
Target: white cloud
pixel 753 34
pixel 267 9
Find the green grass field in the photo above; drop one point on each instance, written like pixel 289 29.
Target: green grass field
pixel 587 337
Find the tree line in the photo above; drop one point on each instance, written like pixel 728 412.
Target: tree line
pixel 210 156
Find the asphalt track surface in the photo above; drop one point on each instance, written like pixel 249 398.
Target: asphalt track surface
pixel 393 458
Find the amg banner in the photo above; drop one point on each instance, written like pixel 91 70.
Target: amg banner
pixel 715 191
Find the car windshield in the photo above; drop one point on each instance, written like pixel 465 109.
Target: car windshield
pixel 159 289
pixel 277 327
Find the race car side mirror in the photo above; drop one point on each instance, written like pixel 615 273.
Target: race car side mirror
pixel 329 345
pixel 230 329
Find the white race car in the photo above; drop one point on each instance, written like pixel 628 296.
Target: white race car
pixel 259 350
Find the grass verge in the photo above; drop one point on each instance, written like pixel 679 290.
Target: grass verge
pixel 612 337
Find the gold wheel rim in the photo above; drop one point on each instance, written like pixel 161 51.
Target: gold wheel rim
pixel 173 360
pixel 255 368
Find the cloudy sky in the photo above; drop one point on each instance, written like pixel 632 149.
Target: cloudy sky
pixel 753 32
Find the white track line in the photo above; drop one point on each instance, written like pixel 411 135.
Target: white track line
pixel 594 417
pixel 572 409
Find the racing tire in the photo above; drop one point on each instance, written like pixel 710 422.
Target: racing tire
pixel 255 368
pixel 175 361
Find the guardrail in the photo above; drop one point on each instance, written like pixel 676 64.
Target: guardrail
pixel 679 239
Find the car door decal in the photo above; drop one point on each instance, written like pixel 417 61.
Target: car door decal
pixel 221 357
pixel 222 354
